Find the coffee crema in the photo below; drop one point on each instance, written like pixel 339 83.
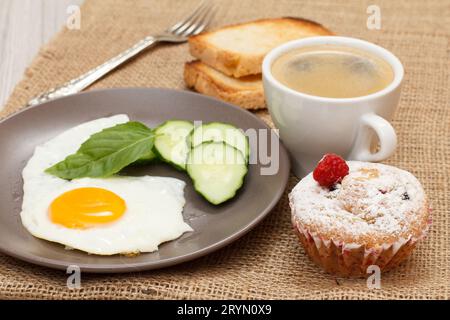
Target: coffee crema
pixel 333 71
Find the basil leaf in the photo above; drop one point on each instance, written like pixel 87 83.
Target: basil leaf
pixel 107 152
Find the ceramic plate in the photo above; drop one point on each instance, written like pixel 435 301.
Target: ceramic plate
pixel 214 226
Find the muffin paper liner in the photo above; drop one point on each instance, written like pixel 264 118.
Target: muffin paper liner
pixel 350 259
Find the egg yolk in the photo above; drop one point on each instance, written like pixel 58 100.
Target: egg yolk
pixel 86 207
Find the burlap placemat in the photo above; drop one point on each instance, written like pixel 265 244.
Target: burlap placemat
pixel 268 262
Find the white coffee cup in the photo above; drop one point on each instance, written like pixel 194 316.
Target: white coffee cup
pixel 311 126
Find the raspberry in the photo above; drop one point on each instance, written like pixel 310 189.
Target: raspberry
pixel 330 170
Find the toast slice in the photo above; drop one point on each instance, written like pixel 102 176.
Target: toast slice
pixel 239 50
pixel 246 92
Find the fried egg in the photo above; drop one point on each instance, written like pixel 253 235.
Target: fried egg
pixel 105 216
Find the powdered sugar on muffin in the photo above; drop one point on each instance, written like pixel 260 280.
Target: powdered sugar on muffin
pixel 374 205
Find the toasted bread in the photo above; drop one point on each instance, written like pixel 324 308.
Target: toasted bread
pixel 239 50
pixel 246 92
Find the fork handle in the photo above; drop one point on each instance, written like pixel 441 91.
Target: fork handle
pixel 85 80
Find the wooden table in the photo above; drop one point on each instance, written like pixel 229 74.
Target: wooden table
pixel 24 26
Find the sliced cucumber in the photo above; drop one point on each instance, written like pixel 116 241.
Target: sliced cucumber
pixel 217 132
pixel 150 157
pixel 217 170
pixel 171 142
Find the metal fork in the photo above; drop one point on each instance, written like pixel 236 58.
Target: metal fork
pixel 193 24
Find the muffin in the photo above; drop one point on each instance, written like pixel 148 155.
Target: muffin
pixel 374 215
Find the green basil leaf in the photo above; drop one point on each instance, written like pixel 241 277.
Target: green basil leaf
pixel 107 152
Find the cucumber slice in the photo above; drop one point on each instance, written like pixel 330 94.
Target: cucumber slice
pixel 217 132
pixel 217 170
pixel 150 157
pixel 171 142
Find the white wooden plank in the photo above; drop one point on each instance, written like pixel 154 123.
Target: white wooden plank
pixel 25 25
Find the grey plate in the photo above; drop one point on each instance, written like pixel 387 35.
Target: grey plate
pixel 215 226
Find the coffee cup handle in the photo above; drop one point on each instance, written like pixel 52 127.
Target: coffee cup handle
pixel 386 136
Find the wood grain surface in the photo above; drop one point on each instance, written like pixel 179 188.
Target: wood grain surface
pixel 25 25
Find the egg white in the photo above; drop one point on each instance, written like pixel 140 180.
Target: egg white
pixel 154 205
